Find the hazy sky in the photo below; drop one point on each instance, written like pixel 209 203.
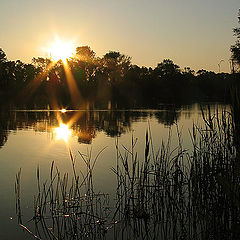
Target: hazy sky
pixel 192 33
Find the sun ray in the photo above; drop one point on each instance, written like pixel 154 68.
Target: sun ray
pixel 72 85
pixel 32 86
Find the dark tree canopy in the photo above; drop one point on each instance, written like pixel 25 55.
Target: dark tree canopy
pixel 235 49
pixel 112 77
pixel 3 57
pixel 112 55
pixel 41 63
pixel 85 53
pixel 167 67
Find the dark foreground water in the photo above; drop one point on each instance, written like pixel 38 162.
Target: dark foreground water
pixel 35 138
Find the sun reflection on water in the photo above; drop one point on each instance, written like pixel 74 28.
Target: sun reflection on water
pixel 63 110
pixel 62 132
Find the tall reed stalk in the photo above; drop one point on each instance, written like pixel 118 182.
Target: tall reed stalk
pixel 68 209
pixel 164 194
pixel 179 194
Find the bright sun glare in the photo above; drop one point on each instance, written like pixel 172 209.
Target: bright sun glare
pixel 62 132
pixel 60 50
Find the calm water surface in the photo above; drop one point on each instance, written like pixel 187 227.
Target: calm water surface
pixel 33 138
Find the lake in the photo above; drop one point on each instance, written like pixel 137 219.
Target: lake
pixel 35 138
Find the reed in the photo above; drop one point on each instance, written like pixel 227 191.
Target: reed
pixel 179 194
pixel 164 194
pixel 68 209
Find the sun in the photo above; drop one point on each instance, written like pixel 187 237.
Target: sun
pixel 60 50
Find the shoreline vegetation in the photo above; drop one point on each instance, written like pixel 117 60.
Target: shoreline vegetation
pixel 163 194
pixel 85 78
pixel 110 79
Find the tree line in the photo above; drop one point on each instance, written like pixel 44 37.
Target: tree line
pixel 113 78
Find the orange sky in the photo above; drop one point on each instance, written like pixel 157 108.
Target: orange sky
pixel 191 33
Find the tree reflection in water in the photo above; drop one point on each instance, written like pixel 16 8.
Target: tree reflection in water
pixel 84 124
pixel 169 194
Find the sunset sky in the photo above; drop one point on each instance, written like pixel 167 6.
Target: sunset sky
pixel 192 33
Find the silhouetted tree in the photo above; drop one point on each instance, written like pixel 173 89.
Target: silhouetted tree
pixel 235 49
pixel 188 71
pixel 7 69
pixel 167 68
pixel 116 65
pixel 111 77
pixel 3 57
pixel 85 53
pixel 42 64
pixel 201 72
